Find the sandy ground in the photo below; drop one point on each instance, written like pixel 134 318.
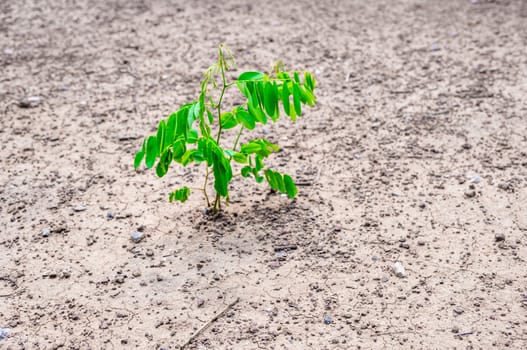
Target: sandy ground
pixel 416 152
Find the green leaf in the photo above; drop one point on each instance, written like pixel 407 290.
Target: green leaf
pixel 246 171
pixel 170 130
pixel 250 76
pixel 310 82
pixel 285 99
pixel 261 147
pixel 182 126
pixel 270 100
pixel 210 116
pixel 246 119
pixel 290 186
pixel 164 163
pixel 192 136
pixel 222 172
pixel 280 180
pixel 296 77
pixel 251 147
pixel 258 163
pixel 160 135
pixel 240 158
pixel 152 150
pixel 269 176
pixel 138 158
pixel 180 195
pixel 228 121
pixel 140 155
pixel 296 99
pixel 179 148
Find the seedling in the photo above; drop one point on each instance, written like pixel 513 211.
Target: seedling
pixel 186 136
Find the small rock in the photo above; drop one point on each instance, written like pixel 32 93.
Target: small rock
pixel 280 255
pixel 201 302
pixel 404 245
pixel 455 329
pixel 420 242
pixel 435 47
pixel 136 273
pixel 149 252
pixel 109 215
pixel 499 237
pixel 119 279
pixel 470 193
pixel 79 208
pixel 159 278
pixel 65 274
pixel 4 333
pixel 466 146
pixel 90 240
pixel 46 232
pixel 137 236
pixel 398 269
pixel 29 102
pixel 505 186
pixel 328 320
pixel 422 205
pixel 458 311
pixel 475 179
pixel 104 325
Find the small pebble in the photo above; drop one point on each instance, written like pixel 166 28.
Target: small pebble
pixel 458 311
pixel 79 208
pixel 470 194
pixel 455 329
pixel 281 255
pixel 4 332
pixel 46 232
pixel 328 320
pixel 119 279
pixel 475 179
pixel 499 237
pixel 398 269
pixel 109 215
pixel 435 47
pixel 404 245
pixel 29 102
pixel 137 236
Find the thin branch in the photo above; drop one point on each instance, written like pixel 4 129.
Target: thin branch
pixel 208 324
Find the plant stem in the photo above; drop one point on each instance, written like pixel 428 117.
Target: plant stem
pixel 221 63
pixel 205 187
pixel 224 88
pixel 237 139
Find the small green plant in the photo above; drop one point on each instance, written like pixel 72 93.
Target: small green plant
pixel 186 136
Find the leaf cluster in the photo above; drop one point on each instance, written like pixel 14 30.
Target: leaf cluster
pixel 186 136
